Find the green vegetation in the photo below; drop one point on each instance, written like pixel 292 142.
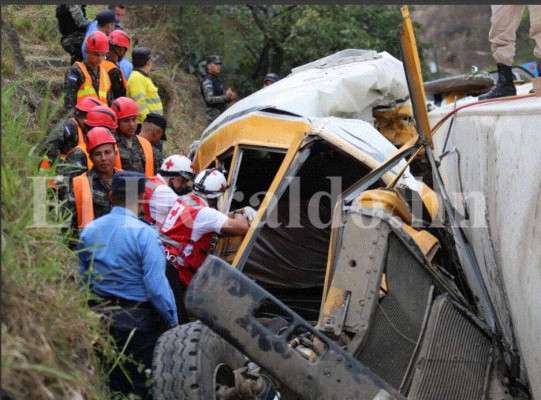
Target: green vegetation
pixel 48 332
pixel 257 39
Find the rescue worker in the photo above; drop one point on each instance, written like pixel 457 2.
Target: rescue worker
pixel 162 190
pixel 72 24
pixel 105 22
pixel 190 226
pixel 153 130
pixel 87 78
pixel 89 197
pixel 78 159
pixel 119 43
pixel 212 89
pixel 270 78
pixel 140 86
pixel 135 153
pixel 67 135
pixel 121 260
pixel 505 21
pixel 124 64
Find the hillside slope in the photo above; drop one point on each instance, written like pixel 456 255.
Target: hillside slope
pixel 42 60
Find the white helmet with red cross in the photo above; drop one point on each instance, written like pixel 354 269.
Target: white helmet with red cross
pixel 210 183
pixel 178 165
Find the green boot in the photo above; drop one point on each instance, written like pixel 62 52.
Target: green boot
pixel 504 86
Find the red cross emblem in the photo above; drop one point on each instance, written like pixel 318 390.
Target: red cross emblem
pixel 173 213
pixel 169 164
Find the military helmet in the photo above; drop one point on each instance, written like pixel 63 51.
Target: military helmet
pixel 87 103
pixel 119 38
pixel 214 59
pixel 98 136
pixel 97 42
pixel 124 107
pixel 101 116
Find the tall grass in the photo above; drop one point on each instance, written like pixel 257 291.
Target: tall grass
pixel 48 331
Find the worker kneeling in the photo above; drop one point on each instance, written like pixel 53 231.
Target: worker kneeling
pixel 190 225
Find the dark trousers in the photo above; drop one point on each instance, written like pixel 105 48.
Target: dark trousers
pixel 140 347
pixel 73 43
pixel 178 292
pixel 147 325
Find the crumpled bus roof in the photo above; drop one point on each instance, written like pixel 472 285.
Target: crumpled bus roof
pixel 335 96
pixel 348 84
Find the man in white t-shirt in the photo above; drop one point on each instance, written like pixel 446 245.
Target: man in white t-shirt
pixel 190 226
pixel 162 190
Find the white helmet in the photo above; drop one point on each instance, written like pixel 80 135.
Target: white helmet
pixel 176 165
pixel 210 183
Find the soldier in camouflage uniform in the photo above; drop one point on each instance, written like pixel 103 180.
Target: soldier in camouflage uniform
pixel 131 146
pixel 132 156
pixel 212 89
pixel 101 145
pixel 76 161
pixel 65 135
pixel 72 23
pixel 75 79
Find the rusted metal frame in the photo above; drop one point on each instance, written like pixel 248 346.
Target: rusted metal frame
pixel 332 374
pixel 361 280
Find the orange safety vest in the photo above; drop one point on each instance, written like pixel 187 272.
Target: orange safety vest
pixel 108 65
pixel 176 237
pixel 88 90
pixel 83 200
pixel 82 146
pixel 149 157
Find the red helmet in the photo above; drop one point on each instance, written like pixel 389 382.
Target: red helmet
pixel 124 107
pixel 87 103
pixel 97 42
pixel 119 38
pixel 101 116
pixel 98 136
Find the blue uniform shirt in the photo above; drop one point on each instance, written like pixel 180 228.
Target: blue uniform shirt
pixel 127 260
pixel 126 67
pixel 93 26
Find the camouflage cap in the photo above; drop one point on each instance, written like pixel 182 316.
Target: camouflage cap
pixel 214 59
pixel 272 77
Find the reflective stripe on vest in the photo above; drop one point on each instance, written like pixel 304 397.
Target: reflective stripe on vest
pixel 180 233
pixel 108 65
pixel 148 99
pixel 150 185
pixel 88 90
pixel 149 157
pixel 83 200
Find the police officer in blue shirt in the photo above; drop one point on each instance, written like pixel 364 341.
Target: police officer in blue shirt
pixel 122 261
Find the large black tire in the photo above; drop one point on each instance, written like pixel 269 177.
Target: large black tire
pixel 191 361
